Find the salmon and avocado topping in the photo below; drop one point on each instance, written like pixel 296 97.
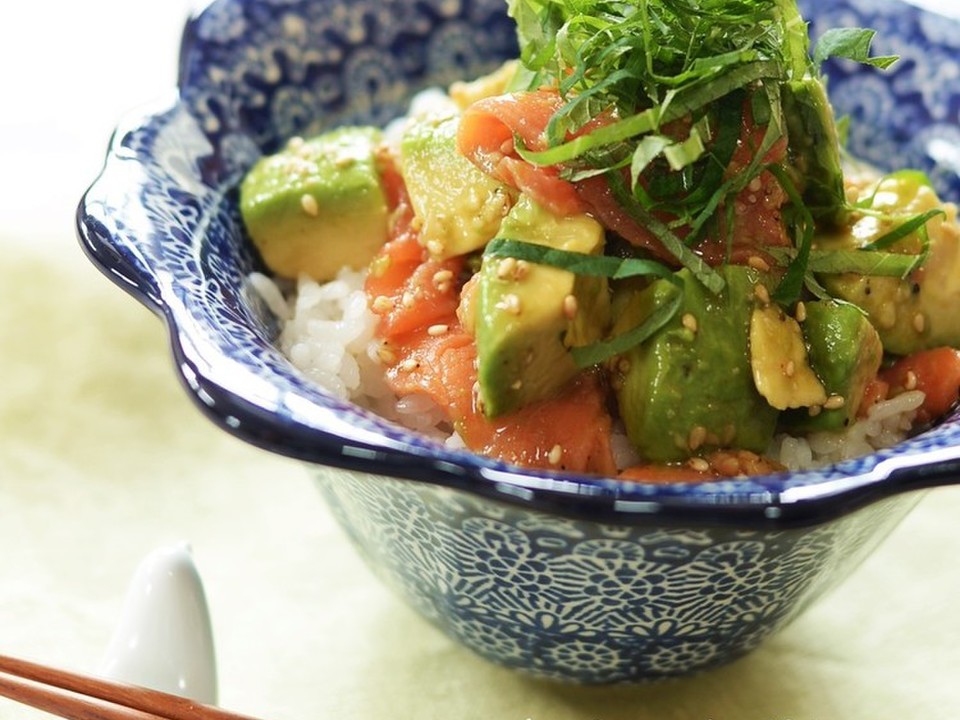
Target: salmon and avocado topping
pixel 642 228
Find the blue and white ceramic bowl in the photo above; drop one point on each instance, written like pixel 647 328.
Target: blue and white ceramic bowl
pixel 567 577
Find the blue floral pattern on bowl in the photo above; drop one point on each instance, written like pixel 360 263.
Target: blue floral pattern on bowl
pixel 563 576
pixel 592 602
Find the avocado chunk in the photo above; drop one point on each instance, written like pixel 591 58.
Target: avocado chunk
pixel 459 208
pixel 917 312
pixel 527 316
pixel 778 357
pixel 815 148
pixel 317 205
pixel 845 351
pixel 689 387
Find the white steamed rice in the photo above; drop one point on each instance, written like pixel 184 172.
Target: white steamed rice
pixel 328 334
pixel 887 423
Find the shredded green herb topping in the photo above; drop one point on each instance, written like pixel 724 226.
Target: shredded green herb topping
pixel 861 262
pixel 602 351
pixel 649 62
pixel 580 263
pixel 672 81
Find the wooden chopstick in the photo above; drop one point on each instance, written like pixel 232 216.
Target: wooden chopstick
pixel 83 697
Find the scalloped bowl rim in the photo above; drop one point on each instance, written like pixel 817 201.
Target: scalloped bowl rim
pixel 326 436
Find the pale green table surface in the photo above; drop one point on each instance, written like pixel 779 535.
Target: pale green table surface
pixel 103 458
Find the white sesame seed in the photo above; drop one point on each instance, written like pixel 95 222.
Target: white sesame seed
pixel 762 294
pixel 689 321
pixel 510 303
pixel 442 277
pixel 697 437
pixel 555 455
pixel 382 304
pixel 698 464
pixel 834 402
pixel 919 322
pixel 790 369
pixel 409 364
pixel 910 382
pixel 435 330
pixel 506 267
pixel 309 204
pixel 801 313
pixel 386 355
pixel 570 307
pixel 728 465
pixel 758 263
pixel 442 280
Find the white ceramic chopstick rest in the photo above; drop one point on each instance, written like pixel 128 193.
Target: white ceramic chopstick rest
pixel 164 639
